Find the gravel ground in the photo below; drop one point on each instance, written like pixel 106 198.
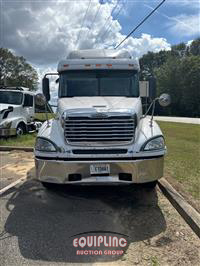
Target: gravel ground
pixel 14 165
pixel 36 225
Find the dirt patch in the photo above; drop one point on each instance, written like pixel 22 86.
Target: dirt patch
pixel 177 245
pixel 15 165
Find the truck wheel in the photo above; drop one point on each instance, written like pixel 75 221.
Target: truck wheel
pixel 21 129
pixel 150 185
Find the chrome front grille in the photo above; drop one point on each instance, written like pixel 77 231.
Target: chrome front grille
pixel 100 130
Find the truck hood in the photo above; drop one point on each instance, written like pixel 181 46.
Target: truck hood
pixel 99 103
pixel 4 106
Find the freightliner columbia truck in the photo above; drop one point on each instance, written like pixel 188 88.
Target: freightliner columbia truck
pixel 99 135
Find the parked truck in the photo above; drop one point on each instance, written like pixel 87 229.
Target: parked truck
pixel 99 135
pixel 17 110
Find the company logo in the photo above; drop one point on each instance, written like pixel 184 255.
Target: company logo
pixel 99 115
pixel 107 243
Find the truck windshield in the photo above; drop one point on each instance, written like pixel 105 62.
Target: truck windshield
pixel 99 83
pixel 11 97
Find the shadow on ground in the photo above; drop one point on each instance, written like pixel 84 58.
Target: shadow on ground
pixel 45 221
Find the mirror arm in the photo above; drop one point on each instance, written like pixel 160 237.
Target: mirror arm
pixel 47 119
pixel 152 103
pixel 152 113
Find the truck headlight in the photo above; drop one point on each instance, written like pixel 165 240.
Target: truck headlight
pixel 6 124
pixel 45 145
pixel 157 143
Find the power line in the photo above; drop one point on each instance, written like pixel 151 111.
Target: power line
pixel 140 23
pixel 83 21
pixel 113 10
pixel 114 18
pixel 97 12
pixel 108 27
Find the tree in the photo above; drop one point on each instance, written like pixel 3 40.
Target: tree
pixel 167 77
pixel 195 47
pixel 177 72
pixel 15 71
pixel 190 83
pixel 150 61
pixel 180 78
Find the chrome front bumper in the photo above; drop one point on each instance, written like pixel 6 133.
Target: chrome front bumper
pixel 57 171
pixel 6 132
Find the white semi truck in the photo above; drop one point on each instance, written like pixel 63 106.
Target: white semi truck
pixel 17 109
pixel 100 135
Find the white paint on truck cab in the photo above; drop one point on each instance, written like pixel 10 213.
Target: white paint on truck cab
pixel 100 135
pixel 16 110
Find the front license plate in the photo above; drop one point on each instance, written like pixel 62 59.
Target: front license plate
pixel 96 169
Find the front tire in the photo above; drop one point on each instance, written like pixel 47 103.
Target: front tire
pixel 21 130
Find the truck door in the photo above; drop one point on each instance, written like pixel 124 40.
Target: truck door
pixel 28 108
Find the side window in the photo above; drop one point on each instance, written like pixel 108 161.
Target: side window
pixel 28 100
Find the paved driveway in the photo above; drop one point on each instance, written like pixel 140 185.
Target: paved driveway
pixel 37 226
pixel 188 120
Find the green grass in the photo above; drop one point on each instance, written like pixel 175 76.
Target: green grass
pixel 182 161
pixel 27 140
pixel 154 261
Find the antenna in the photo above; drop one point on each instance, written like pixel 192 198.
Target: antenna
pixel 140 23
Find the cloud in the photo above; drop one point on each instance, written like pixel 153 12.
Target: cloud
pixel 185 25
pixel 45 31
pixel 192 4
pixel 140 46
pixel 188 25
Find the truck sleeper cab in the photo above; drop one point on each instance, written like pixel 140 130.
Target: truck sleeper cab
pixel 99 135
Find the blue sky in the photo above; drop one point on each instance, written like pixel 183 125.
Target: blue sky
pixel 45 31
pixel 161 23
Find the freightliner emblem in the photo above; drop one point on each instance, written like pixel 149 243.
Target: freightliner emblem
pixel 99 115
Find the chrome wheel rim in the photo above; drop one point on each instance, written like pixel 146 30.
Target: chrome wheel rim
pixel 19 131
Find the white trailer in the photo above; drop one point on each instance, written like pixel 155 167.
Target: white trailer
pixel 100 135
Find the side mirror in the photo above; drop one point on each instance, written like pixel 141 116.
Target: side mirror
pixel 40 99
pixel 10 108
pixel 164 99
pixel 45 88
